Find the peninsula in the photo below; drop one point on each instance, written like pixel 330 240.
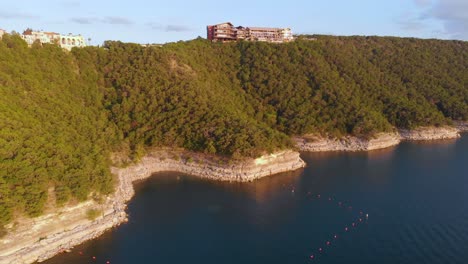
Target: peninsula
pixel 78 127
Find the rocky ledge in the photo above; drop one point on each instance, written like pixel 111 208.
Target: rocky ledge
pixel 317 144
pixel 314 143
pixel 46 236
pixel 462 126
pixel 430 133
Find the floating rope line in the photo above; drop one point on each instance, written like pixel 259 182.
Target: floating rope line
pixel 314 256
pixel 327 244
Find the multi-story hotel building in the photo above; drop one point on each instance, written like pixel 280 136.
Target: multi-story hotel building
pixel 65 41
pixel 227 32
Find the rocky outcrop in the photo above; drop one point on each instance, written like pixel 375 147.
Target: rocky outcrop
pixel 348 143
pixel 42 238
pixel 430 133
pixel 461 126
pixel 313 143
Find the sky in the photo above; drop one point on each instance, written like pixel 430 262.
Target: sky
pixel 157 21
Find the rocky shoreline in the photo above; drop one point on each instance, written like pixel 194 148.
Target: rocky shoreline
pixel 314 143
pixel 46 236
pixel 461 126
pixel 43 237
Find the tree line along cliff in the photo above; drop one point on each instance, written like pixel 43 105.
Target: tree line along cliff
pixel 63 113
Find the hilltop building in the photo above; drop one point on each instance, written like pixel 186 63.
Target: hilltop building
pixel 228 32
pixel 65 41
pixel 2 32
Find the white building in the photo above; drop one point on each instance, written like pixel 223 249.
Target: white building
pixel 69 41
pixel 65 41
pixel 2 32
pixel 287 34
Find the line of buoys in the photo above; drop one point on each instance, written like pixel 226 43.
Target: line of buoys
pixel 347 229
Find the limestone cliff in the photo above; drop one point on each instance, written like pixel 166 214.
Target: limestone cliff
pixel 462 126
pixel 314 143
pixel 43 237
pixel 430 133
pixel 348 143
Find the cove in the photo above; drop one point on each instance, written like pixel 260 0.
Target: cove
pixel 415 195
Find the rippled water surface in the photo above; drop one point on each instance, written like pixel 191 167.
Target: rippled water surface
pixel 415 195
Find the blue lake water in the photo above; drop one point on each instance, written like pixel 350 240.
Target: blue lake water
pixel 415 195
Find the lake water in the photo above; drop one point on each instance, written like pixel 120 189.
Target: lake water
pixel 415 195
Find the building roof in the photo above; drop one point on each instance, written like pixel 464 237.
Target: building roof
pixel 264 28
pixel 229 23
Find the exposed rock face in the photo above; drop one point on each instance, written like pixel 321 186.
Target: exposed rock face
pixel 380 141
pixel 42 238
pixel 462 126
pixel 348 143
pixel 430 133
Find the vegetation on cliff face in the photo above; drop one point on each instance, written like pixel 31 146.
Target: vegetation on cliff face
pixel 53 130
pixel 62 113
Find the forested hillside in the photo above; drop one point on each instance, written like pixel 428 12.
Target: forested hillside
pixel 61 113
pixel 53 130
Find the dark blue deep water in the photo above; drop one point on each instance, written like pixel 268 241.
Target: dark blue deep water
pixel 416 196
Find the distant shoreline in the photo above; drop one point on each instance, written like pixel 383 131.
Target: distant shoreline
pixel 314 143
pixel 41 238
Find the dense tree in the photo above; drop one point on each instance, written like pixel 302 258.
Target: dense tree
pixel 62 113
pixel 52 129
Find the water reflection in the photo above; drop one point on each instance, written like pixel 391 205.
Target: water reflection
pixel 263 190
pixel 415 195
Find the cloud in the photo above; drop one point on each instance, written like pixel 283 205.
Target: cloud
pixel 114 20
pixel 423 3
pixel 106 20
pixel 453 14
pixel 170 27
pixel 84 20
pixel 446 18
pixel 16 15
pixel 177 28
